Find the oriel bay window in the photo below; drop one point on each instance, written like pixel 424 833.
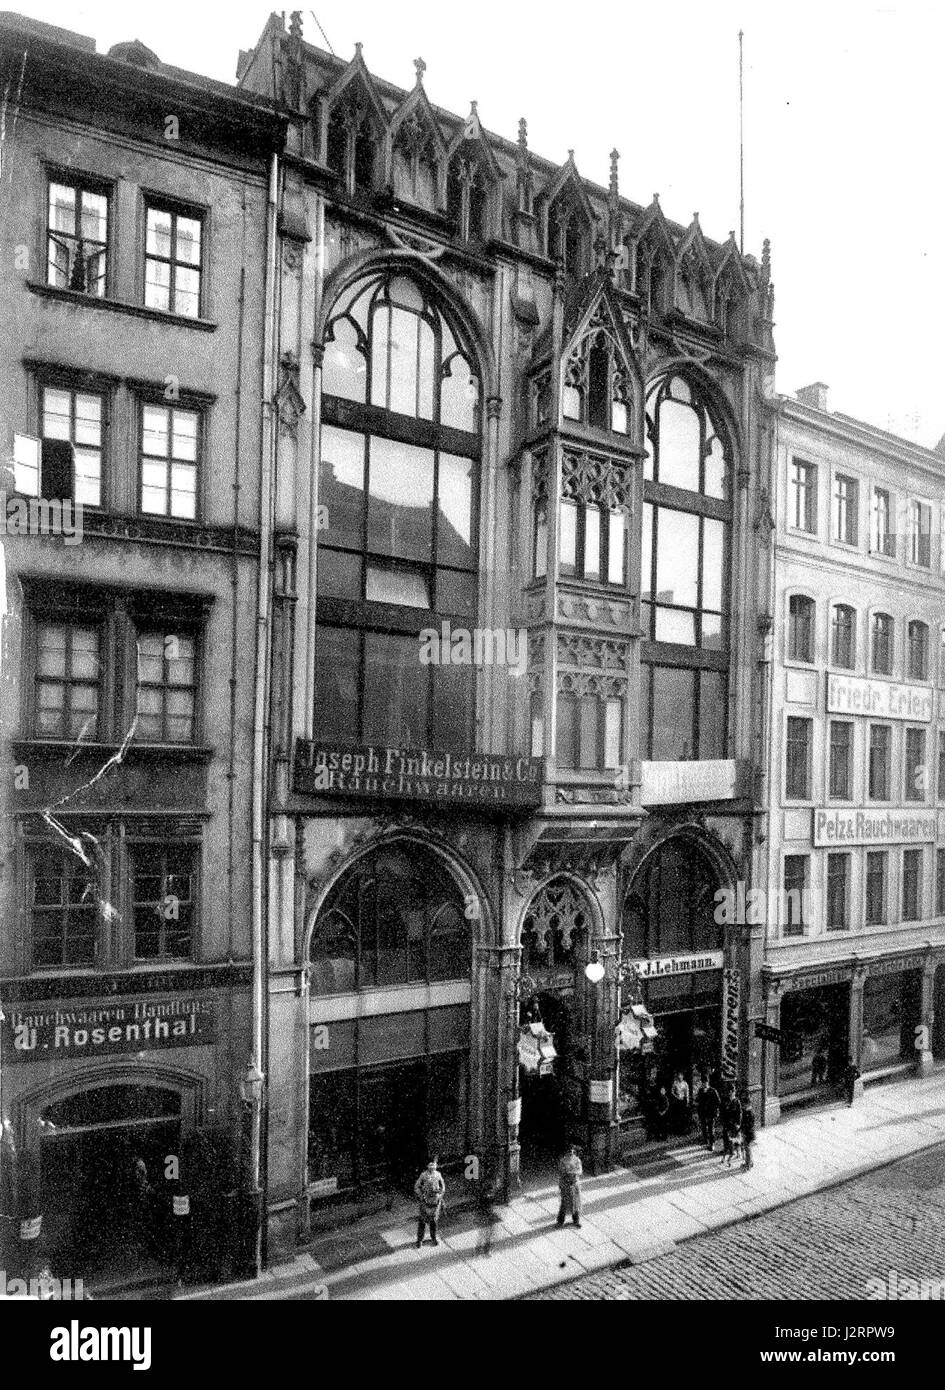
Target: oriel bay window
pixel 399 478
pixel 592 543
pixel 589 732
pixel 686 525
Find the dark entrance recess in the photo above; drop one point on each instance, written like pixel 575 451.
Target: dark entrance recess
pixel 815 1028
pixel 938 1032
pixel 95 1218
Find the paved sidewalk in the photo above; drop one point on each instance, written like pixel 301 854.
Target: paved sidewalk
pixel 634 1214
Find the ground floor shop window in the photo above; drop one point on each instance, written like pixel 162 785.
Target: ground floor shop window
pixel 377 1126
pixel 891 1010
pixel 815 1026
pixel 687 1017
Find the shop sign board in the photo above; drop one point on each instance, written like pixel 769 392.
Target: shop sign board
pixel 820 979
pixel 901 825
pixel 898 966
pixel 767 1033
pixel 669 783
pixel 654 967
pixel 879 699
pixel 32 1034
pixel 601 1092
pixel 731 1011
pixel 409 774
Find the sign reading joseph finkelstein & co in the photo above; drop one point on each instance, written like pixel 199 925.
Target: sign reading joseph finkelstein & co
pixel 137 1025
pixel 407 774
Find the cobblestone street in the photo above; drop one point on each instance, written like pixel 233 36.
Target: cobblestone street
pixel 825 1246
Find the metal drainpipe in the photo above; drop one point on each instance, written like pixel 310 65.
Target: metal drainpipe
pixel 261 691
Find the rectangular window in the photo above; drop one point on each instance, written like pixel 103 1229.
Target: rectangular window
pixel 797 779
pixel 68 678
pixel 167 687
pixel 164 900
pixel 337 684
pixel 940 883
pixel 920 534
pixel 74 420
pixel 589 733
pixel 170 456
pixel 801 612
pixel 846 503
pixel 884 537
pixel 876 861
pixel 592 543
pixel 838 891
pixel 173 261
pixel 917 655
pixel 841 761
pixel 941 765
pixel 540 542
pixel 77 238
pixel 915 772
pixel 843 634
pixel 616 548
pixel 794 907
pixel 567 538
pixel 397 693
pixel 882 644
pixel 803 500
pixel 64 904
pixel 879 762
pixel 911 885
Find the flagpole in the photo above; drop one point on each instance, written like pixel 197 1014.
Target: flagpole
pixel 741 146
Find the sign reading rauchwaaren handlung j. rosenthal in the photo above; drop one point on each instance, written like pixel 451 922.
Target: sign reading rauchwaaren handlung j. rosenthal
pixel 136 1025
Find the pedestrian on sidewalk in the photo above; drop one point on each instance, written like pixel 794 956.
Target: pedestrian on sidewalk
pixel 429 1189
pixel 660 1120
pixel 708 1104
pixel 818 1067
pixel 570 1172
pixel 748 1131
pixel 731 1122
pixel 851 1075
pixel 679 1104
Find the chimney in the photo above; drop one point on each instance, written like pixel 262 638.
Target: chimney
pixel 815 395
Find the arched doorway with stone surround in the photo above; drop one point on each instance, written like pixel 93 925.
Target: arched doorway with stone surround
pixel 680 974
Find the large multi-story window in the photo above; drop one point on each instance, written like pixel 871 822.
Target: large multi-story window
pixel 803 495
pixel 399 481
pixel 77 236
pixel 686 524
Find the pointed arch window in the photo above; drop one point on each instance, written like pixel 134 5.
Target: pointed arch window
pixel 352 141
pixel 568 236
pixel 416 167
pixel 555 928
pixel 467 196
pixel 399 481
pixel 596 390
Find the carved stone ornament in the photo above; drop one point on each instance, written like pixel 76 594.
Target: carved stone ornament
pixel 597 481
pixel 290 403
pixel 600 653
pixel 595 612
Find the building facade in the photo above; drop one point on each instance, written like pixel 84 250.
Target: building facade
pixel 855 855
pixel 134 204
pixel 518 682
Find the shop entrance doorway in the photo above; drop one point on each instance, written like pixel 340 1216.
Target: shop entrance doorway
pixel 102 1210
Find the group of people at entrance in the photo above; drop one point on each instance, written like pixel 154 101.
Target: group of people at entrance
pixel 716 1105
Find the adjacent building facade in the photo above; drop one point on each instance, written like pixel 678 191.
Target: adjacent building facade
pixel 134 205
pixel 518 680
pixel 855 857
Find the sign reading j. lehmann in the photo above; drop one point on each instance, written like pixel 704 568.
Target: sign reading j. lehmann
pixel 881 699
pixel 897 827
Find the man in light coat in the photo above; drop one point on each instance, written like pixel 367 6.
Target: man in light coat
pixel 429 1189
pixel 570 1172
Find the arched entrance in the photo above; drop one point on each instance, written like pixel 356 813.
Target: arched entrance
pixel 555 935
pixel 390 969
pixel 671 937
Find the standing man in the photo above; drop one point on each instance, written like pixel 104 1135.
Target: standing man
pixel 748 1130
pixel 570 1172
pixel 429 1189
pixel 851 1075
pixel 731 1121
pixel 708 1105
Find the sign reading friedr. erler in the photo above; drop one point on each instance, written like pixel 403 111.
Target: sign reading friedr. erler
pixel 325 769
pixel 873 827
pixel 137 1025
pixel 880 699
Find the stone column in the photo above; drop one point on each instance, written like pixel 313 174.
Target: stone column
pixel 924 1059
pixel 857 983
pixel 602 999
pixel 771 1111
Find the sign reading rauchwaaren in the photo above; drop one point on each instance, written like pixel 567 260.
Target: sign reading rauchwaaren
pixel 134 1025
pixel 873 827
pixel 407 774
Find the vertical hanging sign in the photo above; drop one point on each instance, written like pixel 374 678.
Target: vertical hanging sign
pixel 731 1010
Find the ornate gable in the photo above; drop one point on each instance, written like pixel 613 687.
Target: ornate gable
pixel 357 86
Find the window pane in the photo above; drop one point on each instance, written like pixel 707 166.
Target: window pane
pixel 157 285
pixel 188 240
pixel 184 442
pixel 339 573
pixel 396 696
pixel 677 558
pixel 613 752
pixel 454 538
pixel 336 684
pixel 678 446
pixel 344 370
pixel 587 750
pixel 616 548
pixel 672 712
pixel 400 508
pixel 591 543
pixel 187 292
pixel 713 552
pixel 57 414
pixel 341 486
pixel 390 584
pixel 453 705
pixel 713 688
pixel 646 584
pixel 155 431
pixel 567 539
pixel 403 362
pixel 159 233
pixel 716 471
pixel 457 593
pixel 676 625
pixel 459 395
pixel 61 208
pixel 566 731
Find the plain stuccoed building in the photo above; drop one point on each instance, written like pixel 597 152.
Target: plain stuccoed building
pixel 856 844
